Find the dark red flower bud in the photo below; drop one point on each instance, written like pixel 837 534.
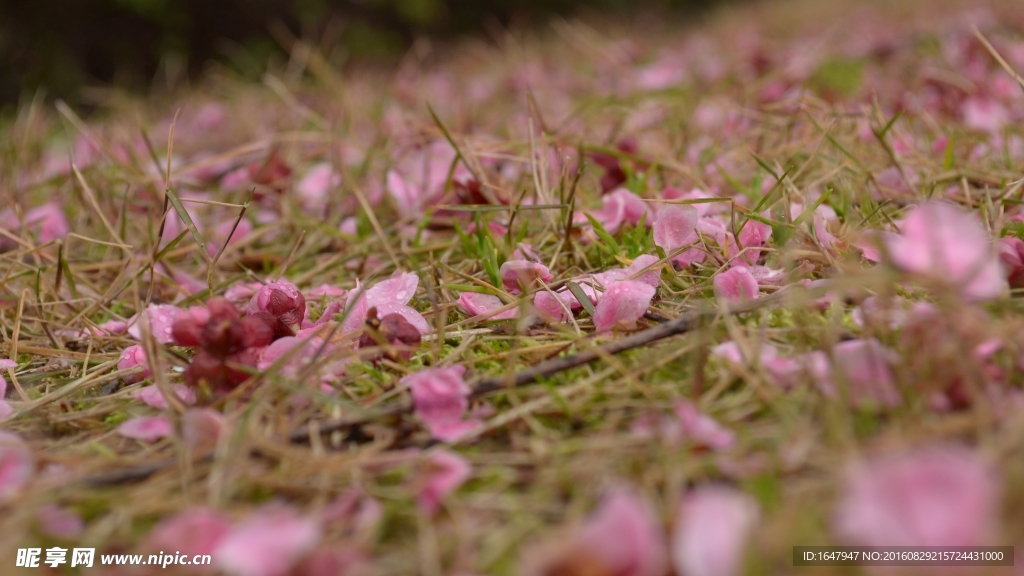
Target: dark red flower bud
pixel 281 305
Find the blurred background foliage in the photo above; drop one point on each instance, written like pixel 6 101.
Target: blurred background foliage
pixel 61 45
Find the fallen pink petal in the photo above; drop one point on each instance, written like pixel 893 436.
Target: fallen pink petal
pixel 712 529
pixel 146 428
pixel 622 304
pixel 736 285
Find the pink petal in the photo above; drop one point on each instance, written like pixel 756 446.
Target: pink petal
pixel 5 409
pixel 411 315
pixel 624 535
pixel 735 285
pixel 17 464
pixel 267 543
pixel 131 357
pixel 325 290
pixel 146 428
pixel 702 429
pixel 192 531
pixel 932 497
pixel 242 291
pixel 516 272
pixel 731 352
pixel 448 472
pixel 400 288
pixel 754 235
pixel 316 185
pixel 551 305
pixel 984 115
pixel 865 366
pixel 441 398
pixel 48 222
pixel 788 372
pixel 151 395
pixel 612 213
pixel 59 522
pixel 622 304
pixel 651 277
pixel 200 428
pixel 712 527
pixel 476 304
pixel 766 276
pixel 161 318
pixel 675 227
pixel 941 241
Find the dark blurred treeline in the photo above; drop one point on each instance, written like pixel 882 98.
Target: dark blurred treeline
pixel 61 45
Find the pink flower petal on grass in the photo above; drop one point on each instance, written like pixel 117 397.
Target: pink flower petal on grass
pixel 932 497
pixel 624 536
pixel 865 366
pixel 191 531
pixel 131 357
pixel 651 276
pixel 446 472
pixel 59 522
pixel 161 318
pixel 476 304
pixel 622 304
pixel 523 272
pixel 17 464
pixel 314 188
pixel 267 543
pixel 735 285
pixel 200 428
pixel 441 397
pixel 555 307
pixel 711 531
pixel 146 428
pixel 732 352
pixel 702 429
pixel 151 395
pixel 942 242
pixel 675 227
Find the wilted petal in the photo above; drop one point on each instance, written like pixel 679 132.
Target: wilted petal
pixel 522 272
pixel 702 429
pixel 476 304
pixel 622 304
pixel 267 543
pixel 446 472
pixel 933 497
pixel 146 428
pixel 735 285
pixel 711 531
pixel 17 464
pixel 753 236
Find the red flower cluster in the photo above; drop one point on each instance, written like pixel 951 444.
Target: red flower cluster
pixel 227 343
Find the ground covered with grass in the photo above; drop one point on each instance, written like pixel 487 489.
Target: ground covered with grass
pixel 595 301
